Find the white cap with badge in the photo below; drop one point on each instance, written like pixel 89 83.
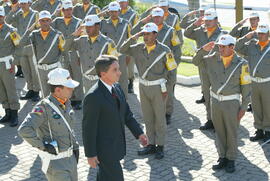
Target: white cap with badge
pixel 122 1
pixel 254 15
pixel 210 14
pixel 149 28
pixel 67 4
pixel 262 28
pixel 60 76
pixel 91 20
pixel 2 11
pixel 45 15
pixel 24 1
pixel 226 40
pixel 157 12
pixel 114 6
pixel 163 2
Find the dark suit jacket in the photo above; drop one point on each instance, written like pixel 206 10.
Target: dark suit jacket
pixel 103 123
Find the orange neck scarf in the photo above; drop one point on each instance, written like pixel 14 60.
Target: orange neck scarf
pixel 1 26
pixel 166 14
pixel 62 101
pixel 123 11
pixel 227 60
pixel 160 27
pixel 67 20
pixel 210 31
pixel 44 34
pixel 150 48
pixel 52 2
pixel 253 28
pixel 263 44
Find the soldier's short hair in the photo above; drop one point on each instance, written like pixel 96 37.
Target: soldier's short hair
pixel 53 87
pixel 103 63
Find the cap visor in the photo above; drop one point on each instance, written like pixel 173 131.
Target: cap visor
pixel 71 83
pixel 208 18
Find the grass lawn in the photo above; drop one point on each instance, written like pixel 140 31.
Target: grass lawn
pixel 187 69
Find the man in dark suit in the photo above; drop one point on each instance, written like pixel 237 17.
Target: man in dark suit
pixel 105 112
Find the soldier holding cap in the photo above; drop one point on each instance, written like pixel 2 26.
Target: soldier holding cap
pixel 239 30
pixel 154 61
pixel 204 33
pixel 118 29
pixel 9 39
pixel 67 25
pixel 229 78
pixel 47 46
pixel 132 17
pixel 49 127
pixel 257 52
pixel 23 20
pixel 89 48
pixel 168 36
pixel 85 9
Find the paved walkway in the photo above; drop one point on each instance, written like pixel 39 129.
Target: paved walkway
pixel 189 153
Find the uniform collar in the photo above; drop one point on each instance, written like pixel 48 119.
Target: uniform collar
pixel 120 20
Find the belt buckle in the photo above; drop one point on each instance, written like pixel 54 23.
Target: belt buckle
pixel 220 97
pixel 44 67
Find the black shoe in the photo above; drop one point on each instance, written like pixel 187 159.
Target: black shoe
pixel 200 101
pixel 249 108
pixel 168 119
pixel 266 136
pixel 6 118
pixel 13 118
pixel 19 72
pixel 150 149
pixel 230 168
pixel 77 105
pixel 207 125
pixel 35 97
pixel 130 86
pixel 222 162
pixel 28 95
pixel 259 135
pixel 160 153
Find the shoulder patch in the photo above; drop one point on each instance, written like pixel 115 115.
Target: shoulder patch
pixel 38 110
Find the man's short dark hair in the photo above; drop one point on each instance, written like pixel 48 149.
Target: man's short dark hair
pixel 53 87
pixel 103 63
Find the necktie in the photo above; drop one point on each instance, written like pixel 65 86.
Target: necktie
pixel 115 97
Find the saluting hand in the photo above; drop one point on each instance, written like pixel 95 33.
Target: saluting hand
pixel 250 34
pixel 209 46
pixel 93 161
pixel 147 19
pixel 103 13
pixel 78 31
pixel 199 21
pixel 243 21
pixel 192 12
pixel 137 35
pixel 143 139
